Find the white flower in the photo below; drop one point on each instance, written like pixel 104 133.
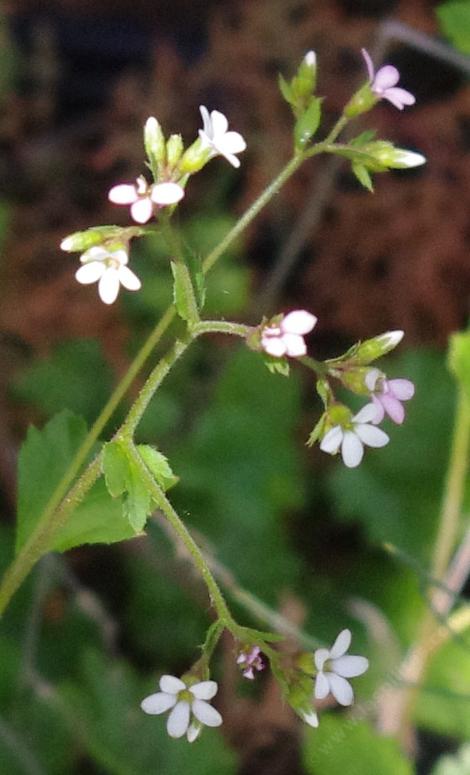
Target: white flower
pixel 108 268
pixel 339 666
pixel 353 438
pixel 287 338
pixel 143 196
pixel 214 135
pixel 185 701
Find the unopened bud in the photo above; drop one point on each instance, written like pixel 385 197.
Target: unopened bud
pixel 372 349
pixel 361 102
pixel 174 150
pixel 154 141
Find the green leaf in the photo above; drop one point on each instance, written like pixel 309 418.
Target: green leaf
pixel 286 90
pixel 363 139
pixel 115 468
pixel 184 293
pixel 43 460
pixel 459 359
pixel 308 123
pixel 158 465
pixel 459 764
pixel 341 745
pixel 123 477
pixel 454 18
pixel 363 176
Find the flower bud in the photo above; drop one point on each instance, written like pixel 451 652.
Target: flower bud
pixel 195 157
pixel 304 82
pixel 80 241
pixel 174 150
pixel 372 349
pixel 300 699
pixel 154 141
pixel 361 102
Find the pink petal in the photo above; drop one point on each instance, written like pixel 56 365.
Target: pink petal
pixel 322 686
pixel 352 450
pixel 350 666
pixel 385 78
pixel 403 389
pixel 128 279
pixel 123 194
pixel 369 64
pixel 273 345
pixel 380 411
pixel 340 689
pixel 167 193
pixel 142 210
pixel 394 409
pixel 341 644
pixel 399 97
pixel 298 322
pixel 295 345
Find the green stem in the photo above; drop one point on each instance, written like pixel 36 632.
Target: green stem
pixel 182 532
pixel 221 327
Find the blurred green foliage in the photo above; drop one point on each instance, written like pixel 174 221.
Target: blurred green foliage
pixel 454 765
pixel 454 19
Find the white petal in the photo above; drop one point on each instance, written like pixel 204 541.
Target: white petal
pixel 403 389
pixel 341 644
pixel 205 690
pixel 298 322
pixel 123 194
pixel 310 59
pixel 371 378
pixel 206 120
pixel 310 718
pixel 331 441
pixel 369 64
pixel 108 287
pixel 167 193
pixel 171 685
pixel 142 210
pixel 219 124
pixel 409 158
pixel 380 411
pixel 295 345
pixel 178 720
pixel 194 730
pixel 352 450
pixel 391 339
pixel 67 244
pixel 366 414
pixel 119 255
pixel 128 279
pixel 206 714
pixel 340 689
pixel 96 253
pixel 372 436
pixel 320 656
pixel 233 142
pixel 273 345
pixel 158 703
pixel 322 686
pixel 90 273
pixel 350 666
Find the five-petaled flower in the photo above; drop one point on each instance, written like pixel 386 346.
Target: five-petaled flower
pixel 214 135
pixel 334 666
pixel 109 268
pixel 387 395
pixel 383 84
pixel 353 436
pixel 287 337
pixel 143 197
pixel 250 660
pixel 188 705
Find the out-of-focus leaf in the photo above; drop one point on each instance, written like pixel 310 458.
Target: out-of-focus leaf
pixel 396 491
pixel 345 747
pixel 242 474
pixel 454 765
pixel 445 708
pixel 67 379
pixel 459 359
pixel 454 18
pixel 122 739
pixel 43 460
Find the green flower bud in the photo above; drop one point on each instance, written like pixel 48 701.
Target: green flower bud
pixel 354 380
pixel 174 150
pixel 154 141
pixel 99 235
pixel 195 157
pixel 372 349
pixel 361 102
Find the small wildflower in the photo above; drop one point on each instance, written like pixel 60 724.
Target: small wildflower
pixel 142 197
pixel 310 59
pixel 287 338
pixel 185 702
pixel 339 666
pixel 214 135
pixel 383 84
pixel 250 660
pixel 109 268
pixel 353 436
pixel 387 395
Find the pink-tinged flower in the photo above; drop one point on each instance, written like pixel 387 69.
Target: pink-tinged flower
pixel 214 135
pixel 188 705
pixel 142 197
pixel 387 395
pixel 287 338
pixel 353 437
pixel 250 660
pixel 334 666
pixel 383 84
pixel 109 269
